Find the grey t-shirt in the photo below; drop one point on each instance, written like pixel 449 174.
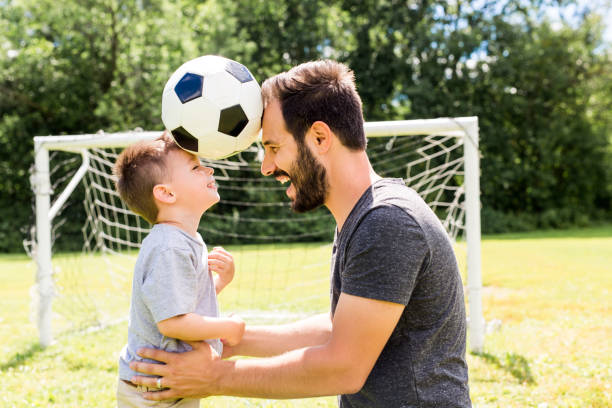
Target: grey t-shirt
pixel 392 247
pixel 171 278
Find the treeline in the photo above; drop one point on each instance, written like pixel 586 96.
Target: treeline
pixel 541 86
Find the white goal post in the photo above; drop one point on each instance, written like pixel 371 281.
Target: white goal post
pixel 463 128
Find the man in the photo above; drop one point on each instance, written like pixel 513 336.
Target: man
pixel 395 336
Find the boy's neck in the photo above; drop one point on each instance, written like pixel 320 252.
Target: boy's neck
pixel 189 224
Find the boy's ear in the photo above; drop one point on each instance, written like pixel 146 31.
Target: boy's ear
pixel 320 135
pixel 162 193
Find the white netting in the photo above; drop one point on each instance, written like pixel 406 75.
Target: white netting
pixel 282 258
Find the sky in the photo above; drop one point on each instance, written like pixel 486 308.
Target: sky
pixel 603 7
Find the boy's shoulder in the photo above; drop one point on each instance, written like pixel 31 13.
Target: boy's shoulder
pixel 164 237
pixel 167 246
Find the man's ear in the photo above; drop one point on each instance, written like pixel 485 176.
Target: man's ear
pixel 320 136
pixel 163 194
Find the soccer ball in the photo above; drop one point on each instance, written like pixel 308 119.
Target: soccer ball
pixel 212 106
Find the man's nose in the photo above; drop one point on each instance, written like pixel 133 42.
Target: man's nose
pixel 267 166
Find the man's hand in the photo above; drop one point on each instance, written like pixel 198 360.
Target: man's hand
pixel 222 263
pixel 189 374
pixel 235 331
pixel 229 351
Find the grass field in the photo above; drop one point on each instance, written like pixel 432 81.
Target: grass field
pixel 550 290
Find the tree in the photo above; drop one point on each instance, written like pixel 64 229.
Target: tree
pixel 542 91
pixel 78 68
pixel 543 154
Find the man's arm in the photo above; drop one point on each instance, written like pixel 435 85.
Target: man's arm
pixel 267 341
pixel 193 327
pixel 360 330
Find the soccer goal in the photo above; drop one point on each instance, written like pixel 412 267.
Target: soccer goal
pixel 84 274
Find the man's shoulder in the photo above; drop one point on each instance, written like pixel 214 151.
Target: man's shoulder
pixel 397 193
pixel 386 215
pixel 392 205
pixel 390 202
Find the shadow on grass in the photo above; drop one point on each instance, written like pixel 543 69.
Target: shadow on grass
pixel 22 357
pixel 515 364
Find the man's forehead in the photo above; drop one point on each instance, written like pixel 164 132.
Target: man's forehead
pixel 273 124
pixel 275 137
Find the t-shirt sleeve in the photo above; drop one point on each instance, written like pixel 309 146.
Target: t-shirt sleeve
pixel 384 256
pixel 169 286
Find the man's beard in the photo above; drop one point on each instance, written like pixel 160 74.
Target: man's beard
pixel 309 179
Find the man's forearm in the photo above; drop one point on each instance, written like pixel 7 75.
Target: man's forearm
pixel 340 365
pixel 265 341
pixel 308 372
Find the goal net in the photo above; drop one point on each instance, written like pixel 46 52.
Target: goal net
pixel 85 240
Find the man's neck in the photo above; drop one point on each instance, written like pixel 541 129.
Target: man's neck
pixel 349 178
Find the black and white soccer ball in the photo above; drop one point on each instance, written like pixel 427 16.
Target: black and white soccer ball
pixel 212 106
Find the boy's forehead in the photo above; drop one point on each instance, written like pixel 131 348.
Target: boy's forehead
pixel 185 155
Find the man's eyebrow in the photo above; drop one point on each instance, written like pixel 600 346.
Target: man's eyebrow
pixel 269 142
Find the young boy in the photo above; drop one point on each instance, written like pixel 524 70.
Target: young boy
pixel 173 292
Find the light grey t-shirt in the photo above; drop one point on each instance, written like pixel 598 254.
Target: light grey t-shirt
pixel 171 278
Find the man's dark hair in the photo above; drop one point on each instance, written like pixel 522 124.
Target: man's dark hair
pixel 319 91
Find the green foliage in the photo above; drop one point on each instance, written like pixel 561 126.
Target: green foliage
pixel 496 222
pixel 542 151
pixel 542 92
pixel 77 68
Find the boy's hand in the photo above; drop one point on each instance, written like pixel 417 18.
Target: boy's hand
pixel 222 263
pixel 235 331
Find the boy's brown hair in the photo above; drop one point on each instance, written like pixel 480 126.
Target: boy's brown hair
pixel 138 169
pixel 319 90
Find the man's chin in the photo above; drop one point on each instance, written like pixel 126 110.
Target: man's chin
pixel 300 207
pixel 296 206
pixel 297 210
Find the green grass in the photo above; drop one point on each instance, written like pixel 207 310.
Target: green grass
pixel 552 292
pixel 550 289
